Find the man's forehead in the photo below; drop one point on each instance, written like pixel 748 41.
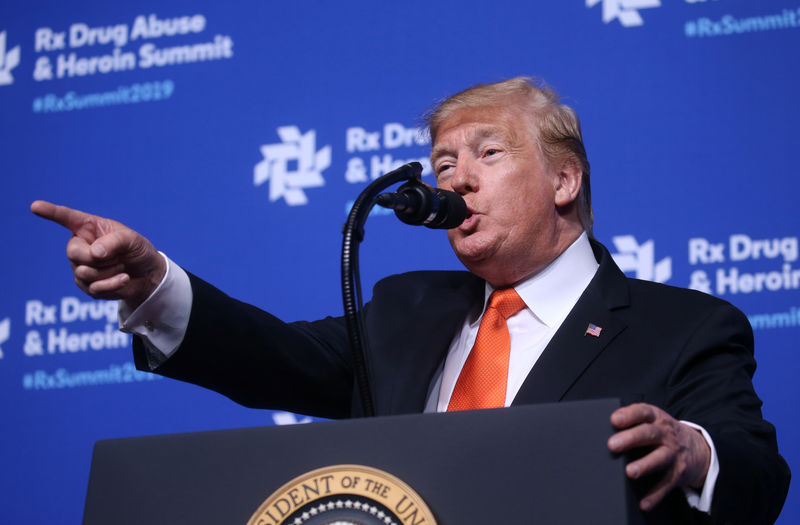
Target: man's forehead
pixel 477 114
pixel 482 122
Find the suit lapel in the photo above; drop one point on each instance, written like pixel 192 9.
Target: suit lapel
pixel 404 373
pixel 572 350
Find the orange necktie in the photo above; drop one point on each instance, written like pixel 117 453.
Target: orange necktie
pixel 483 380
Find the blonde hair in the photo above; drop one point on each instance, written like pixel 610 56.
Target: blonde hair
pixel 558 127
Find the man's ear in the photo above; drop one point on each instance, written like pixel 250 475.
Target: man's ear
pixel 568 181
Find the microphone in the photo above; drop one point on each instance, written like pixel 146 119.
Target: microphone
pixel 418 204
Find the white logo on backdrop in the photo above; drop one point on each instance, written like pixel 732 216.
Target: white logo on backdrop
pixel 8 61
pixel 5 333
pixel 292 165
pixel 625 10
pixel 640 258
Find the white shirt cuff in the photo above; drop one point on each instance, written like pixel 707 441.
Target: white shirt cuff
pixel 161 320
pixel 702 500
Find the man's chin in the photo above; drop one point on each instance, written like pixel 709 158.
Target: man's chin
pixel 475 258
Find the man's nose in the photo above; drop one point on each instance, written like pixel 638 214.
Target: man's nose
pixel 465 178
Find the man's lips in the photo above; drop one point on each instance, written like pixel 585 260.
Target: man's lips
pixel 470 222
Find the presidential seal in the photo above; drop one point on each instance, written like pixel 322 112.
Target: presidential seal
pixel 344 495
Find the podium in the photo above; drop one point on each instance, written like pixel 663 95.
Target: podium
pixel 542 464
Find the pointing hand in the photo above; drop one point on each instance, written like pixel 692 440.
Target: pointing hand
pixel 109 260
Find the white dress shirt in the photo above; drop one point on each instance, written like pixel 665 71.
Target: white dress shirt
pixel 549 296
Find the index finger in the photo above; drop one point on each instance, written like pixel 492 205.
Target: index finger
pixel 635 414
pixel 66 217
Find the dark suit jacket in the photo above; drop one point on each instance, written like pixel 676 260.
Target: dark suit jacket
pixel 686 352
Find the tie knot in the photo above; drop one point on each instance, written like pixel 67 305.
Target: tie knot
pixel 506 301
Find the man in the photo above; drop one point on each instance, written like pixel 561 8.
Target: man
pixel 578 328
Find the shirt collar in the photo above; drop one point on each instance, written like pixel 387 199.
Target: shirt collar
pixel 553 292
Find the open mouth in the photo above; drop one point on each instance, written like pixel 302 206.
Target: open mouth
pixel 469 220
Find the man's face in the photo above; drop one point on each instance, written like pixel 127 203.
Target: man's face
pixel 490 157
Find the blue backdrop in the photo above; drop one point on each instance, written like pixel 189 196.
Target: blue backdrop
pixel 234 136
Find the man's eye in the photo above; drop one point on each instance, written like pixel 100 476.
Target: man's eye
pixel 490 152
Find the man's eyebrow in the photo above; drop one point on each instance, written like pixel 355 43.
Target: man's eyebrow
pixel 479 132
pixel 489 131
pixel 439 151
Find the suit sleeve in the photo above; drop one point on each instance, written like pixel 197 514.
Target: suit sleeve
pixel 259 361
pixel 712 386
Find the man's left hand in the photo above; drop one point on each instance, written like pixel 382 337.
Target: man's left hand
pixel 678 451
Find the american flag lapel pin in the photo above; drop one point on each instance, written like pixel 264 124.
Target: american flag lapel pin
pixel 593 329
